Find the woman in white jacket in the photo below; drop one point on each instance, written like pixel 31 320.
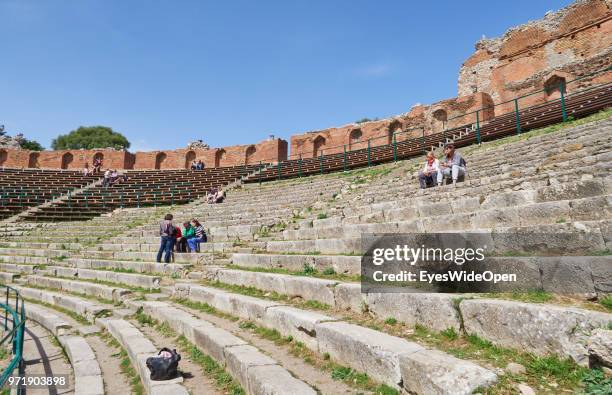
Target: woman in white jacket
pixel 429 171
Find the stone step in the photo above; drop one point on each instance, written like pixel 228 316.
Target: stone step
pixel 394 361
pixel 129 279
pixel 6 278
pixel 257 373
pixel 139 348
pixel 87 372
pixel 579 236
pixel 440 311
pixel 574 194
pixel 342 264
pixel 463 217
pixel 81 287
pixel 13 268
pixel 171 269
pixel 86 308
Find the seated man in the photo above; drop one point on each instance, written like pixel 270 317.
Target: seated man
pixel 210 196
pixel 426 175
pixel 113 177
pixel 453 165
pixel 200 165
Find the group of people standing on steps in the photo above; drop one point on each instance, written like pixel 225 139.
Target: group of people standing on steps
pixel 179 239
pixel 435 171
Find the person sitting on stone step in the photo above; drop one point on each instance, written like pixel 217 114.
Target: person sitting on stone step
pixel 219 196
pixel 107 175
pixel 86 171
pixel 200 236
pixel 194 165
pixel 210 196
pixel 200 165
pixel 187 232
pixel 427 173
pixel 453 165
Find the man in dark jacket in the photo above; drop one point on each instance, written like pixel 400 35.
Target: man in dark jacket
pixel 167 233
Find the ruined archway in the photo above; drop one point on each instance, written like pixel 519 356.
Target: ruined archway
pixel 189 157
pixel 160 158
pixel 99 156
pixel 317 145
pixel 33 160
pixel 438 120
pixel 354 138
pixel 395 127
pixel 3 157
pixel 553 87
pixel 67 159
pixel 219 157
pixel 249 155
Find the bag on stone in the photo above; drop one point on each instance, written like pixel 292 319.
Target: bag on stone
pixel 165 365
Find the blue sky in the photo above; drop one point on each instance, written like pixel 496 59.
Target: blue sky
pixel 164 73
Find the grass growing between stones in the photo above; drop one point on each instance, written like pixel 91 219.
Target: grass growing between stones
pixel 547 374
pixel 328 273
pixel 351 377
pixel 269 295
pixel 205 308
pixel 111 284
pixel 77 294
pixel 223 380
pixel 77 317
pixel 125 364
pixel 606 302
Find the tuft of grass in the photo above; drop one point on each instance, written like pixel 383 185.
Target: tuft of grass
pixel 606 302
pixel 329 271
pixel 309 270
pixel 223 380
pixel 391 321
pixel 450 333
pixel 322 216
pixel 596 383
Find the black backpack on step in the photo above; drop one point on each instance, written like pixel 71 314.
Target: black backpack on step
pixel 165 365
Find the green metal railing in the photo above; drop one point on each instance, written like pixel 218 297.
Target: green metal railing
pixel 396 144
pixel 14 319
pixel 473 120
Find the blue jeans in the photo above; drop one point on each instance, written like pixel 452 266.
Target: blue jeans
pixel 193 243
pixel 167 243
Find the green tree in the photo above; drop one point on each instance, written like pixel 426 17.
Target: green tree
pixel 90 137
pixel 31 145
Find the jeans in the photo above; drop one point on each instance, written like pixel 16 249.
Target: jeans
pixel 193 243
pixel 181 245
pixel 425 181
pixel 167 243
pixel 455 172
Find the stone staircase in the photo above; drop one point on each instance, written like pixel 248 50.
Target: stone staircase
pixel 273 304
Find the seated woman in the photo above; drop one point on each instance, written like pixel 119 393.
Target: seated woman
pixel 194 165
pixel 86 171
pixel 429 171
pixel 187 232
pixel 200 236
pixel 219 196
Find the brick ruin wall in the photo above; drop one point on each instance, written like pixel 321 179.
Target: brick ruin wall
pixel 271 150
pixel 570 43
